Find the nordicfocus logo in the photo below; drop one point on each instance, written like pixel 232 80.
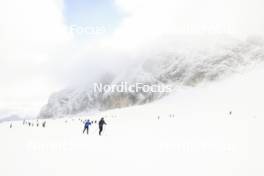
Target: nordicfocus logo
pixel 124 87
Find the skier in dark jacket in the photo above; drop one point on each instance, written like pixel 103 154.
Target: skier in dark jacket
pixel 44 124
pixel 86 126
pixel 101 124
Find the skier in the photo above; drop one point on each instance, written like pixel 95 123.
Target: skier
pixel 86 126
pixel 44 124
pixel 101 124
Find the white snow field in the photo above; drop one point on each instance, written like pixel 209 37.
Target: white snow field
pixel 194 136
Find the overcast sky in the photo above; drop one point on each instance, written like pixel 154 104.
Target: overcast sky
pixel 42 49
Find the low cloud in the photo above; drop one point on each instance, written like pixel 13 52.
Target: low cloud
pixel 39 55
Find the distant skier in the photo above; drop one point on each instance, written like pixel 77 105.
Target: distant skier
pixel 101 124
pixel 44 124
pixel 86 126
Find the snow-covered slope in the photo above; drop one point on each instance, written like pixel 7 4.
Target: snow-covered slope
pixel 171 65
pixel 214 129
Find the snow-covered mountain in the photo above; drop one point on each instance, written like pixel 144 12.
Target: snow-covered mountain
pixel 15 115
pixel 173 66
pixel 10 118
